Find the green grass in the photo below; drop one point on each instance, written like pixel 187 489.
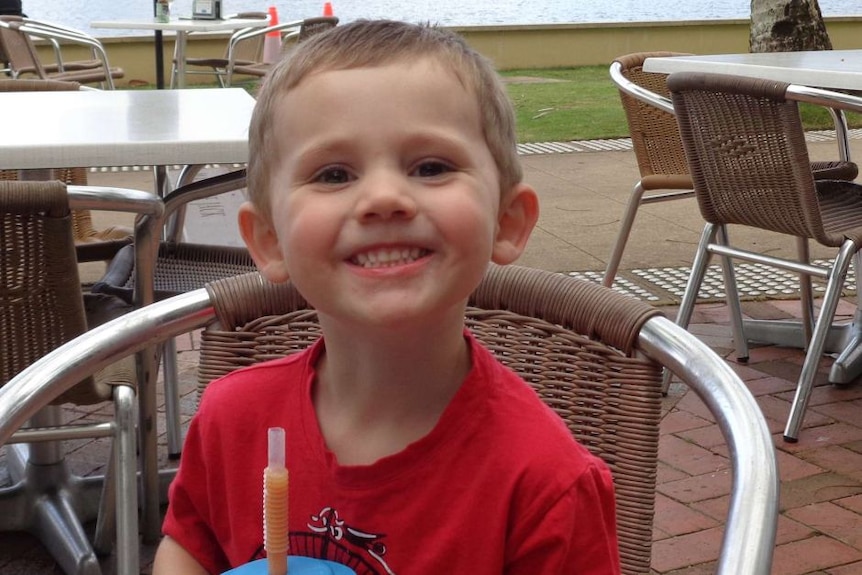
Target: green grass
pixel 583 104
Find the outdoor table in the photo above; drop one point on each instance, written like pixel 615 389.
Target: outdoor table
pixel 834 69
pixel 830 69
pixel 128 128
pixel 183 27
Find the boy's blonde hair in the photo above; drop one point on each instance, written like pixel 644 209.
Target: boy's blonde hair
pixel 369 43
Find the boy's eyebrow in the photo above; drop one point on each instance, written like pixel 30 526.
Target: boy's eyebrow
pixel 420 139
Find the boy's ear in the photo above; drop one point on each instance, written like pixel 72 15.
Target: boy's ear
pixel 262 242
pixel 519 213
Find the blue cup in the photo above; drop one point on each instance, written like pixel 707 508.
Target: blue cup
pixel 295 566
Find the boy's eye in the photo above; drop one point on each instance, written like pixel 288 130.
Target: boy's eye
pixel 431 169
pixel 334 175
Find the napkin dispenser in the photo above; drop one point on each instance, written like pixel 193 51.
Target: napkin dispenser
pixel 206 10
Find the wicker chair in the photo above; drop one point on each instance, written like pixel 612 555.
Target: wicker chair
pixel 584 348
pixel 42 307
pixel 664 172
pixel 23 59
pixel 297 31
pixel 749 162
pixel 246 51
pixel 91 244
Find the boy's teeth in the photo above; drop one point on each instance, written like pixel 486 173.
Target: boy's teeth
pixel 387 257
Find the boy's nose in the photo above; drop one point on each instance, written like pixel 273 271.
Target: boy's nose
pixel 384 198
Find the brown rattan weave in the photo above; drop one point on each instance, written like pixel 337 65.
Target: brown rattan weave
pixel 572 341
pixel 750 161
pixel 41 303
pixel 654 133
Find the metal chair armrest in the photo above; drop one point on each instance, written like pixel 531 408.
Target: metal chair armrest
pixel 639 92
pixel 749 535
pixel 115 200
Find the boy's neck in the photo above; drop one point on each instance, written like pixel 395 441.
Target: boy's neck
pixel 377 392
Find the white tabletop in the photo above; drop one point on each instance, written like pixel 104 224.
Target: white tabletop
pixel 182 24
pixel 124 128
pixel 824 69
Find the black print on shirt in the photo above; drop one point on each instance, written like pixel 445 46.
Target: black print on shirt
pixel 331 538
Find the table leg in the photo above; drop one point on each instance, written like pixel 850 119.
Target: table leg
pixel 160 61
pixel 180 57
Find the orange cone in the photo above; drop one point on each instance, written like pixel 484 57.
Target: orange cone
pixel 272 41
pixel 327 9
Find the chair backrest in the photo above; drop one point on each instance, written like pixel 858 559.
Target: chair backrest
pixel 249 49
pixel 19 49
pixel 15 35
pixel 746 148
pixel 41 305
pixel 654 132
pixel 316 25
pixel 308 28
pixel 579 358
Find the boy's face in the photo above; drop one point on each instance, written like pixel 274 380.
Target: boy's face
pixel 385 200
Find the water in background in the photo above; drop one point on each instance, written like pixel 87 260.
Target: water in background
pixel 78 14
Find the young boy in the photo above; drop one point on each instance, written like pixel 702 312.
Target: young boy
pixel 383 178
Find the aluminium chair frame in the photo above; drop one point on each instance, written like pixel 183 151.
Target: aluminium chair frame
pixel 749 536
pixel 295 29
pixel 843 234
pixel 95 70
pixel 45 497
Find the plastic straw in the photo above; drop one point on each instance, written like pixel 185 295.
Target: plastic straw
pixel 275 497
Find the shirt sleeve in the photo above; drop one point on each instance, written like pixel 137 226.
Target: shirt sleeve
pixel 577 535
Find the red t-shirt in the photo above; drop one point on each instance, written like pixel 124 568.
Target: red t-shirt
pixel 498 486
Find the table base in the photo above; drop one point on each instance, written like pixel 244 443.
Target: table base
pixel 52 503
pixel 843 339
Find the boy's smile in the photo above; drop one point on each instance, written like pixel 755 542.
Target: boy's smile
pixel 386 198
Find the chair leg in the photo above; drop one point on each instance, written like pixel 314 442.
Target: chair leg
pixel 172 399
pixel 623 235
pixel 106 521
pixel 125 462
pixel 118 510
pixel 732 297
pixel 695 279
pixel 805 292
pixel 818 340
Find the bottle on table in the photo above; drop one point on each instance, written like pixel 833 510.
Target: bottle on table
pixel 163 11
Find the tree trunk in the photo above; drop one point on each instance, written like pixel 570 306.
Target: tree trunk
pixel 787 25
